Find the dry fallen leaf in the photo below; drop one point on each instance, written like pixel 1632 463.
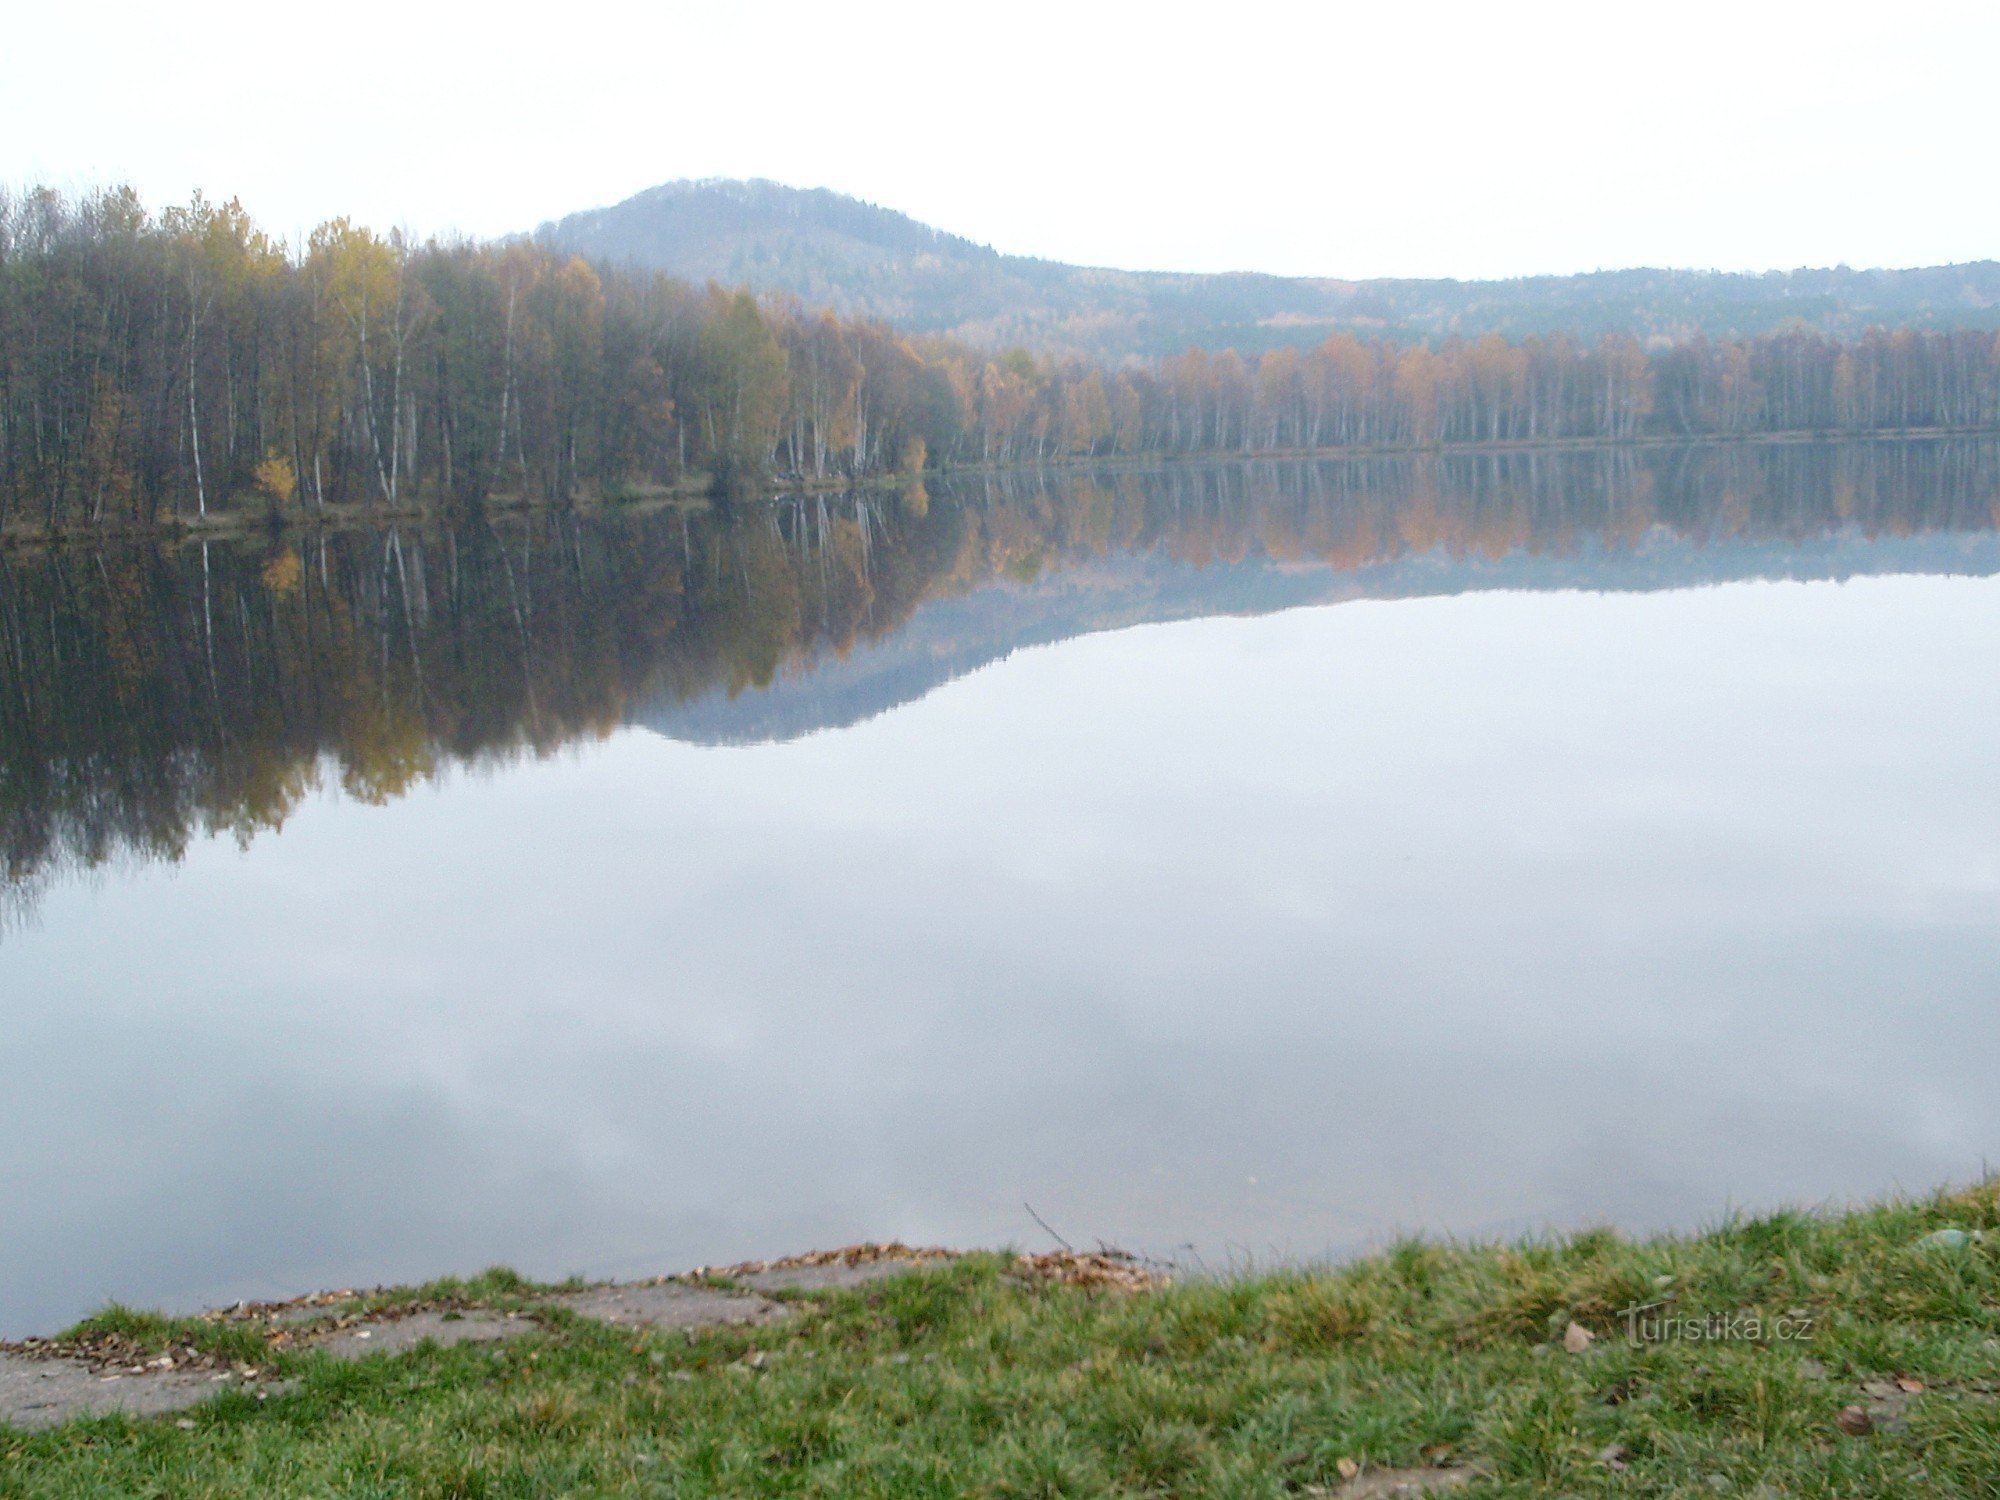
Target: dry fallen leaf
pixel 1347 1468
pixel 1114 1269
pixel 1577 1338
pixel 847 1255
pixel 1854 1421
pixel 1906 1383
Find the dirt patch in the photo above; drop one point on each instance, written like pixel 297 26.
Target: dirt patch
pixel 39 1392
pixel 667 1304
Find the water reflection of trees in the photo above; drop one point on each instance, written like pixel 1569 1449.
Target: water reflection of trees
pixel 154 695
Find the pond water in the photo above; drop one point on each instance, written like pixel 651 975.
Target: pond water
pixel 1236 863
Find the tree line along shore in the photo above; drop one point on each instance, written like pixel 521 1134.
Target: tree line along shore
pixel 186 369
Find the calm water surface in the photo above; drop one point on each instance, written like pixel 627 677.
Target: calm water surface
pixel 1260 860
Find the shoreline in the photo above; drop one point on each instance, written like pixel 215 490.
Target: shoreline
pixel 1845 1351
pixel 698 492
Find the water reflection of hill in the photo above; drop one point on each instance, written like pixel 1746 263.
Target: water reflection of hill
pixel 948 638
pixel 150 695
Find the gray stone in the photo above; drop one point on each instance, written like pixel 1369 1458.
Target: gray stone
pixel 300 1314
pixel 669 1304
pixel 46 1392
pixel 1398 1484
pixel 394 1335
pixel 831 1278
pixel 1946 1239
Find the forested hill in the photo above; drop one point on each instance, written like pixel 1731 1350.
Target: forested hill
pixel 157 370
pixel 834 251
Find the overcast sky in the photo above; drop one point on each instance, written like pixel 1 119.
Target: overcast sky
pixel 1388 139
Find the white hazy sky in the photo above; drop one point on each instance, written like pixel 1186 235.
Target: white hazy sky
pixel 1389 139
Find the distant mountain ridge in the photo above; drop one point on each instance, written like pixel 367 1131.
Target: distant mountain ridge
pixel 831 250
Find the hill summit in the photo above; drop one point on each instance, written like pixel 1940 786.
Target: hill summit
pixel 830 250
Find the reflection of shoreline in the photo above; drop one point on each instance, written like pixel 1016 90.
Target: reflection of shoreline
pixel 951 638
pixel 168 691
pixel 1361 452
pixel 31 538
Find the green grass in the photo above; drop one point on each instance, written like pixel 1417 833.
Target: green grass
pixel 964 1380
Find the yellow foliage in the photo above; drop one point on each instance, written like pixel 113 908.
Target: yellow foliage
pixel 281 574
pixel 277 478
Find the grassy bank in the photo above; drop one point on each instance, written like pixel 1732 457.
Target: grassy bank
pixel 1465 1363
